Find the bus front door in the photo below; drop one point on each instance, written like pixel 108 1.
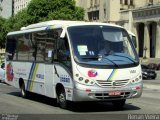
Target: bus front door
pixel 49 80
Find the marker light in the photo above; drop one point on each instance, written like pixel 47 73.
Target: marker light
pixel 136 79
pixel 77 75
pixel 86 81
pixel 81 78
pixel 92 82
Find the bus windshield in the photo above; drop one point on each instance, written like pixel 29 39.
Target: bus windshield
pixel 102 45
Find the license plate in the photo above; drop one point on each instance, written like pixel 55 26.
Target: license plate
pixel 114 93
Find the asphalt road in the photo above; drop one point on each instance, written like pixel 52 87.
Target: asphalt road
pixel 11 103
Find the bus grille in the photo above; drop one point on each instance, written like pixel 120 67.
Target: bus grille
pixel 118 83
pixel 105 96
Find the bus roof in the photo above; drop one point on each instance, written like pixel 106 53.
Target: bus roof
pixel 55 24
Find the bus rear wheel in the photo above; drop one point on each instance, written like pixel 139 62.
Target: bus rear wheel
pixel 119 103
pixel 23 91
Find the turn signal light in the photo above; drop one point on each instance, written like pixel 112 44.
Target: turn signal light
pixel 86 81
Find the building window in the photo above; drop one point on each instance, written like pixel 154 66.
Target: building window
pixel 151 1
pixel 93 15
pixel 131 2
pixel 91 3
pixel 126 2
pixel 121 1
pixel 95 2
pixel 104 13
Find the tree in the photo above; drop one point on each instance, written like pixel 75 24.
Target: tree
pixel 42 10
pixel 2 32
pixel 21 19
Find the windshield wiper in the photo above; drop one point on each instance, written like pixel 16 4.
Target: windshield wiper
pixel 102 57
pixel 90 57
pixel 122 56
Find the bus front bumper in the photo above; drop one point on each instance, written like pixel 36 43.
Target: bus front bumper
pixel 89 93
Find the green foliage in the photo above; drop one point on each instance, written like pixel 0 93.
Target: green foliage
pixel 2 32
pixel 66 14
pixel 40 10
pixel 21 19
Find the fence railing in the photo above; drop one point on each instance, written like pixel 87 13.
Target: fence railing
pixel 2 55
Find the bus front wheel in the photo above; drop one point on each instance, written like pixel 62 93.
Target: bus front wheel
pixel 61 98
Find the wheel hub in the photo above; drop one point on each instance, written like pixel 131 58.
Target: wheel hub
pixel 61 98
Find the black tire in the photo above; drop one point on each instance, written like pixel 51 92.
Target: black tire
pixel 55 102
pixel 153 78
pixel 61 99
pixel 119 103
pixel 23 91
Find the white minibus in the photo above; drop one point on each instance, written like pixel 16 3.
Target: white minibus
pixel 74 61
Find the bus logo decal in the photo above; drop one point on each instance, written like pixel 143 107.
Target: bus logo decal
pixel 9 72
pixel 111 76
pixel 114 83
pixel 132 71
pixel 32 76
pixel 65 78
pixel 92 73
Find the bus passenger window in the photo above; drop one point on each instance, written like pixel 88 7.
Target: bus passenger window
pixel 63 52
pixel 49 51
pixel 50 46
pixel 23 48
pixel 11 48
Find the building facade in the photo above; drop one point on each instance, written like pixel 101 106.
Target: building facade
pixel 6 8
pixel 100 10
pixel 144 21
pixel 142 17
pixel 19 5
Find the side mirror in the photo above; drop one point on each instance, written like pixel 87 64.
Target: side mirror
pixel 3 65
pixel 134 41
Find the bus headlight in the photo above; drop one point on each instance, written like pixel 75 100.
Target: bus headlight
pixel 84 81
pixel 137 79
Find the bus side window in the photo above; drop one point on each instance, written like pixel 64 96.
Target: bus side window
pixel 11 48
pixel 23 46
pixel 63 52
pixel 50 46
pixel 38 42
pixel 63 49
pixel 32 51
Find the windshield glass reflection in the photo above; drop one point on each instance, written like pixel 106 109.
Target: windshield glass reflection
pixel 102 45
